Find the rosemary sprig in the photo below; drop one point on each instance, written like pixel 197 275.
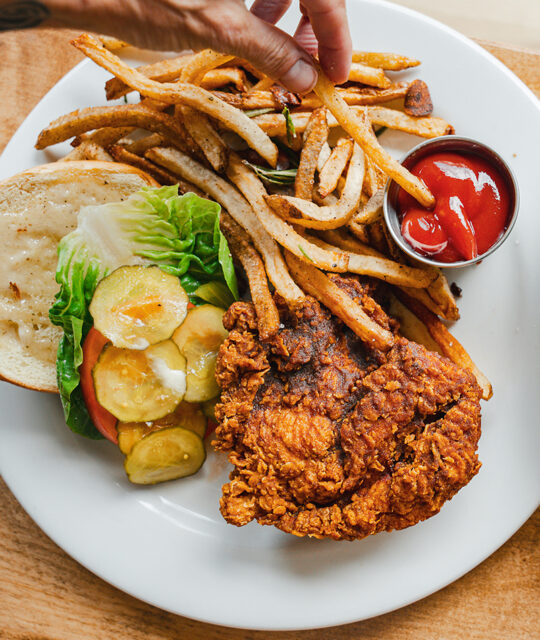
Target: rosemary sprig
pixel 289 124
pixel 273 176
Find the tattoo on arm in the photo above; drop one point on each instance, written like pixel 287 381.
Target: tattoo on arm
pixel 22 14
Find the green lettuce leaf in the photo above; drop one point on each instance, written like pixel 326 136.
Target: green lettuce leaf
pixel 180 234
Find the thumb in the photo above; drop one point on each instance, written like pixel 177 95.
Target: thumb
pixel 271 50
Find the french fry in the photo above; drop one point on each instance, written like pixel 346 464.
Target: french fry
pixel 200 63
pixel 129 115
pixel 316 135
pixel 88 150
pixel 410 326
pixel 255 193
pixel 418 99
pixel 162 71
pixel 381 268
pixel 368 75
pixel 439 291
pixel 241 248
pixel 448 344
pixel 323 156
pixel 263 85
pixel 320 286
pixel 181 93
pixel 388 61
pixel 120 154
pixel 308 214
pixel 216 78
pixel 220 190
pixel 204 134
pixel 142 145
pixel 103 137
pixel 370 211
pixel 334 166
pixel 356 127
pixel 274 123
pixel 343 240
pixel 112 44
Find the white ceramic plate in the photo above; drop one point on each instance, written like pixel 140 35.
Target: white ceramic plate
pixel 168 544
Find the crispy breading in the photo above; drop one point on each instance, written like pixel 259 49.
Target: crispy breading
pixel 331 438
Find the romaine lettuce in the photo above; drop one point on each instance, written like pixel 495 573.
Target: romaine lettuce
pixel 180 234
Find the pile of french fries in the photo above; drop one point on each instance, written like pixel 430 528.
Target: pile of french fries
pixel 300 178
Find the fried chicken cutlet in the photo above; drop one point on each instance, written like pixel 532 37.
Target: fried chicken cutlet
pixel 332 438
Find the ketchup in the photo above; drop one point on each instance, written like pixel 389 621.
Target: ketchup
pixel 471 207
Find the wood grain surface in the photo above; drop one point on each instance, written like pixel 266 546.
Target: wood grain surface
pixel 45 595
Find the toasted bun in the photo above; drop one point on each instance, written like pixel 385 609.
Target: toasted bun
pixel 37 208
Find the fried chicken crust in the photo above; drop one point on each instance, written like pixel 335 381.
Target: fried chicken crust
pixel 331 438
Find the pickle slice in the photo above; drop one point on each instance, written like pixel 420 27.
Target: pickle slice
pixel 199 338
pixel 135 306
pixel 164 455
pixel 186 415
pixel 138 386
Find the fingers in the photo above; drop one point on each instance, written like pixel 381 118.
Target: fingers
pixel 271 50
pixel 305 37
pixel 270 10
pixel 329 21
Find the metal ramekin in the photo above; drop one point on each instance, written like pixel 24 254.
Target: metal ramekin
pixel 449 144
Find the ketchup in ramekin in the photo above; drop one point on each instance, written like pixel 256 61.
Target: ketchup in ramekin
pixel 471 212
pixel 475 202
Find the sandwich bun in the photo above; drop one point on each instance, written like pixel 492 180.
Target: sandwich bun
pixel 37 208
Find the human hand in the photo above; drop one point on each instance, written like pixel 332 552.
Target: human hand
pixel 228 27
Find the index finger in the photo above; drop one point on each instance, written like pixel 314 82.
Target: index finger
pixel 329 21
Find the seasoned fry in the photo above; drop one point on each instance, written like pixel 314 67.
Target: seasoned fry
pixel 382 268
pixel 216 78
pixel 418 99
pixel 368 75
pixel 334 166
pixel 120 154
pixel 308 214
pixel 204 134
pixel 104 137
pixel 142 145
pixel 88 150
pixel 370 211
pixel 318 284
pixel 410 326
pixel 439 291
pixel 323 156
pixel 200 63
pixel 162 71
pixel 274 123
pixel 112 44
pixel 263 85
pixel 356 127
pixel 449 345
pixel 315 137
pixel 182 93
pixel 389 61
pixel 242 249
pixel 219 189
pixel 255 193
pixel 128 115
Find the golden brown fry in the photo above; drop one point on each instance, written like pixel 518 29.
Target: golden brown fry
pixel 368 75
pixel 388 61
pixel 204 134
pixel 318 284
pixel 439 291
pixel 427 127
pixel 370 211
pixel 410 326
pixel 334 166
pixel 274 123
pixel 222 191
pixel 382 268
pixel 142 145
pixel 120 154
pixel 104 137
pixel 216 78
pixel 357 128
pixel 449 345
pixel 112 44
pixel 128 115
pixel 162 71
pixel 182 93
pixel 255 193
pixel 242 249
pixel 418 99
pixel 343 240
pixel 308 214
pixel 315 137
pixel 263 85
pixel 202 62
pixel 88 150
pixel 323 156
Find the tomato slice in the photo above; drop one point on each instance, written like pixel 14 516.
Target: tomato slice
pixel 103 420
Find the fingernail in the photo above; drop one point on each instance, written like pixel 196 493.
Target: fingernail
pixel 300 78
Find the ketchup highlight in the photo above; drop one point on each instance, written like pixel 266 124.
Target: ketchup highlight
pixel 471 207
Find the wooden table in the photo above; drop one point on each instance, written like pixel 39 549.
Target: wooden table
pixel 45 595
